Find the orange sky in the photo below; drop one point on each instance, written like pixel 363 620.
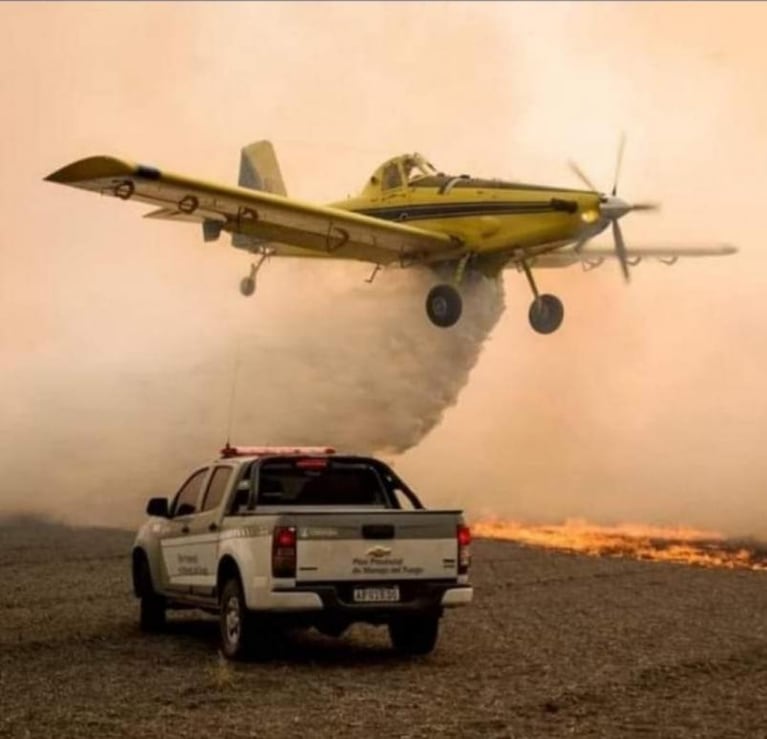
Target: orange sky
pixel 119 335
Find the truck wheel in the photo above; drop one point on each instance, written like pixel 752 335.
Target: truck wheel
pixel 414 634
pixel 242 636
pixel 152 608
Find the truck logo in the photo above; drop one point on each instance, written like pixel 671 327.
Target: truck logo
pixel 378 551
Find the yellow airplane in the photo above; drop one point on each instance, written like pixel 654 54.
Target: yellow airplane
pixel 407 214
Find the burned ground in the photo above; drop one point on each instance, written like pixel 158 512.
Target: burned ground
pixel 554 645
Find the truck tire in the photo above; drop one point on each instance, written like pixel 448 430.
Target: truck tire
pixel 152 605
pixel 414 634
pixel 243 636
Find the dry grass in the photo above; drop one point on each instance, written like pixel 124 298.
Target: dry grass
pixel 555 645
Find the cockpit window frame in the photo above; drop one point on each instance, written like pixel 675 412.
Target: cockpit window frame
pixel 415 167
pixel 388 181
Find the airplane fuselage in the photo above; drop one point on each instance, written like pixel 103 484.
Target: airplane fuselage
pixel 492 215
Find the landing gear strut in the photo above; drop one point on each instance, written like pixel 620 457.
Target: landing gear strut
pixel 248 284
pixel 546 311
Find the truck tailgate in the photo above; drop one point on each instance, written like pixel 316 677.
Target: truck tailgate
pixel 379 545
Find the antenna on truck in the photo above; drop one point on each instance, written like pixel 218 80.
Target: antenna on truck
pixel 233 392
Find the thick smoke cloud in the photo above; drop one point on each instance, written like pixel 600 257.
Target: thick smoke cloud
pixel 364 370
pixel 348 364
pixel 120 338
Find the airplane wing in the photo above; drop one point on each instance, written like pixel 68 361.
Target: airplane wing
pixel 593 256
pixel 317 229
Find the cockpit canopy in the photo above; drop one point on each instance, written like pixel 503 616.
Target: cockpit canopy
pixel 401 171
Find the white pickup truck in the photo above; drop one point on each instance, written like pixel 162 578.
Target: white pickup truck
pixel 282 537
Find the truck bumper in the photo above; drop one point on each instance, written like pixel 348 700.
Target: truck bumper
pixel 460 596
pixel 338 598
pixel 294 601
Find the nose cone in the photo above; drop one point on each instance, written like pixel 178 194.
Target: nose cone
pixel 613 207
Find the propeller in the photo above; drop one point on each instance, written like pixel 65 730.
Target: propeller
pixel 618 163
pixel 620 249
pixel 611 209
pixel 582 176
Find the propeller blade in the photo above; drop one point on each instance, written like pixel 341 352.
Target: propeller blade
pixel 645 206
pixel 581 243
pixel 619 162
pixel 581 175
pixel 620 250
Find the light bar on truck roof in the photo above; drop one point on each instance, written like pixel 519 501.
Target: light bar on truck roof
pixel 263 451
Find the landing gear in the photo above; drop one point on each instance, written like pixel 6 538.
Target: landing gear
pixel 546 311
pixel 444 305
pixel 248 284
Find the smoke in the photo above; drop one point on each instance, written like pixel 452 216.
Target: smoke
pixel 353 365
pixel 130 357
pixel 365 370
pixel 647 406
pixel 122 340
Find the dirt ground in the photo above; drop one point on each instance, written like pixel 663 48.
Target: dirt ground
pixel 554 645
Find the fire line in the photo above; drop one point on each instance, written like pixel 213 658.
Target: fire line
pixel 655 543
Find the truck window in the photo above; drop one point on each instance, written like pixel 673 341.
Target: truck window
pixel 241 496
pixel 185 502
pixel 320 483
pixel 216 488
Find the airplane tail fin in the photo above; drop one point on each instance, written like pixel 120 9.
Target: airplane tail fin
pixel 259 170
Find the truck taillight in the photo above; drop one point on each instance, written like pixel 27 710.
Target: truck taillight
pixel 284 551
pixel 463 534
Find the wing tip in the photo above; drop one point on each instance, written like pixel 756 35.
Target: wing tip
pixel 90 168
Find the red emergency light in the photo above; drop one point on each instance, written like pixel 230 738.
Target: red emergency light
pixel 312 463
pixel 264 451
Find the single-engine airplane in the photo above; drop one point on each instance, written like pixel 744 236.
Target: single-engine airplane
pixel 407 214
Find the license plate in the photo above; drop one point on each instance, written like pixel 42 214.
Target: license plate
pixel 377 595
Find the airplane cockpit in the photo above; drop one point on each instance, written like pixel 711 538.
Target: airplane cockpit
pixel 415 166
pixel 401 172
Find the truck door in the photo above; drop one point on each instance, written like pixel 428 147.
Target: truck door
pixel 202 541
pixel 181 562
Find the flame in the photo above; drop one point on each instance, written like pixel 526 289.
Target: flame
pixel 656 543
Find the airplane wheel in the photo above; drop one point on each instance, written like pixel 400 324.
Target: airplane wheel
pixel 444 305
pixel 247 286
pixel 546 314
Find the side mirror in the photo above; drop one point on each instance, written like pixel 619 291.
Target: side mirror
pixel 157 507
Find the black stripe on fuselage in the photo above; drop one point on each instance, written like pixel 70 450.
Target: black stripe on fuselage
pixel 429 211
pixel 440 181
